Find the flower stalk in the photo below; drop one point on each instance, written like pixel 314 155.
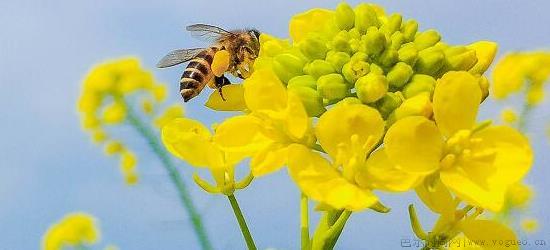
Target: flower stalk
pixel 242 222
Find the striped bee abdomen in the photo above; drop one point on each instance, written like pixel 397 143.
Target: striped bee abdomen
pixel 197 74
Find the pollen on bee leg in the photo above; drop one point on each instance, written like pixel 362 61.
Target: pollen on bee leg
pixel 220 63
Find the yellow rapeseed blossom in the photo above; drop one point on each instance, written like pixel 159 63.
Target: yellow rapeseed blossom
pixel 519 195
pixel 76 229
pixel 276 121
pixel 477 164
pixel 105 101
pixel 170 113
pixel 518 71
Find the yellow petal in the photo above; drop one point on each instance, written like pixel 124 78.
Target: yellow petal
pixel 436 197
pixel 264 91
pixel 297 120
pixel 380 173
pixel 323 183
pixel 414 144
pixel 337 126
pixel 241 134
pixel 313 20
pixel 508 75
pixel 491 233
pixel 269 159
pixel 473 189
pixel 456 100
pixel 190 141
pixel 514 155
pixel 485 53
pixel 234 99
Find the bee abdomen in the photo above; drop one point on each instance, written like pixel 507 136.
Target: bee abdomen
pixel 197 74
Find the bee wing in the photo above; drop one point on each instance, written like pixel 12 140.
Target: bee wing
pixel 207 32
pixel 178 56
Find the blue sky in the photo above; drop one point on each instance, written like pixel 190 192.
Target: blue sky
pixel 48 167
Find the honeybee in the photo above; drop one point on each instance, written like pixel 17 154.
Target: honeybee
pixel 243 47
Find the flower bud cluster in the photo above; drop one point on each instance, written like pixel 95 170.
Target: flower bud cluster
pixel 383 60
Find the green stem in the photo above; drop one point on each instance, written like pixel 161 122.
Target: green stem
pixel 242 222
pixel 183 194
pixel 329 229
pixel 336 230
pixel 304 222
pixel 523 116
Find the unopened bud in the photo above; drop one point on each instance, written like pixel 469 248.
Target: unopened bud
pixel 374 41
pixel 350 101
pixel 409 30
pixel 389 103
pixel 365 17
pixel 313 48
pixel 345 17
pixel 484 86
pixel 311 100
pixel 374 68
pixel 337 60
pixel 302 81
pixel 429 61
pixel 408 54
pixel 485 53
pixel 371 88
pixel 287 66
pixel 419 84
pixel 319 68
pixel 354 33
pixel 400 74
pixel 396 40
pixel 393 24
pixel 418 105
pixel 389 57
pixel 340 42
pixel 461 61
pixel 332 87
pixel 355 69
pixel 427 39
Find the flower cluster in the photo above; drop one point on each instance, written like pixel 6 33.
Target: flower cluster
pixel 74 230
pixel 107 91
pixel 360 101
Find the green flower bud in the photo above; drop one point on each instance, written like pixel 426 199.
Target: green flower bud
pixel 371 88
pixel 365 17
pixel 313 48
pixel 354 33
pixel 340 42
pixel 419 105
pixel 429 61
pixel 311 100
pixel 408 54
pixel 345 17
pixel 419 84
pixel 389 57
pixel 360 56
pixel 374 68
pixel 400 74
pixel 319 68
pixel 374 41
pixel 338 59
pixel 409 30
pixel 427 39
pixel 355 45
pixel 302 81
pixel 332 87
pixel 350 101
pixel 287 66
pixel 396 40
pixel 393 24
pixel 462 61
pixel 355 69
pixel 389 103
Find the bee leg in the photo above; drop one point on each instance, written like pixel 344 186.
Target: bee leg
pixel 221 81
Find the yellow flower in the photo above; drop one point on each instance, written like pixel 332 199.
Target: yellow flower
pixel 277 120
pixel 192 142
pixel 519 195
pixel 514 70
pixel 348 133
pixel 477 164
pixel 483 234
pixel 73 230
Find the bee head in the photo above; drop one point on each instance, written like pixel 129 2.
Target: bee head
pixel 255 33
